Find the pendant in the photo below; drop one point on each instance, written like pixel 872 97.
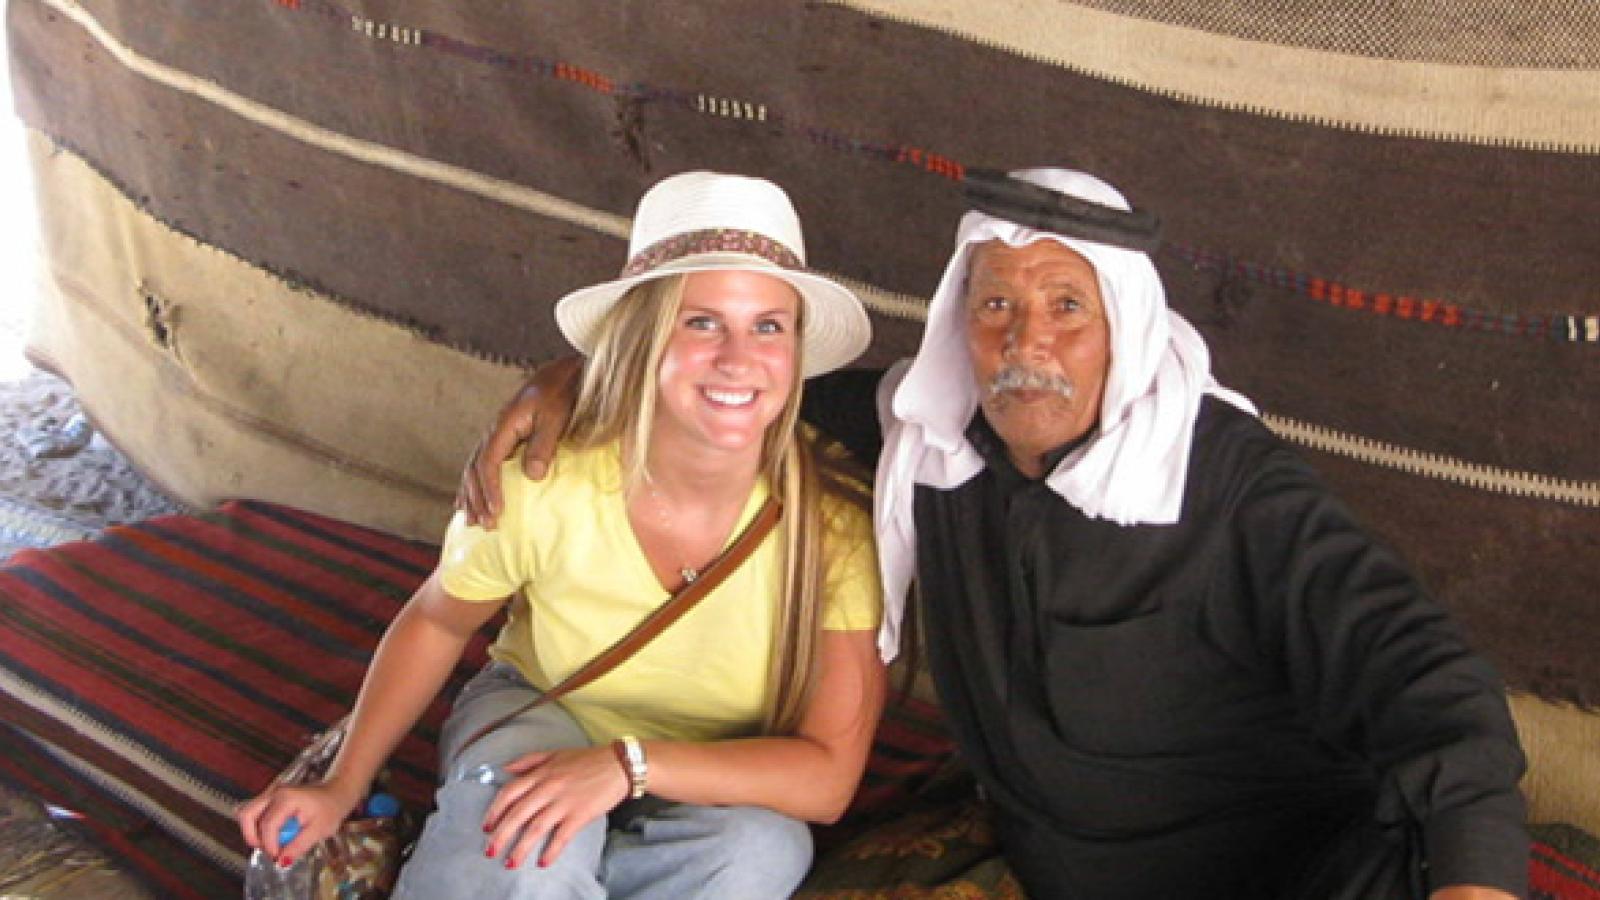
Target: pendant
pixel 689 574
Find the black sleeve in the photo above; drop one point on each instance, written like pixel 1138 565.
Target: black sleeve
pixel 1383 673
pixel 844 406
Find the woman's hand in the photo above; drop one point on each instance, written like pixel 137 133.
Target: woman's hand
pixel 321 808
pixel 538 414
pixel 554 792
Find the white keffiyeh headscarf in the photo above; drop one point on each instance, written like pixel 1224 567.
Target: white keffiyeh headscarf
pixel 1130 471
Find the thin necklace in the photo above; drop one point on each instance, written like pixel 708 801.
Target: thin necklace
pixel 687 572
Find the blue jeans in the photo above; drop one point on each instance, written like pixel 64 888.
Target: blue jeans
pixel 648 848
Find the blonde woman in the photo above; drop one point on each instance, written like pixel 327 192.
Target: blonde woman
pixel 743 721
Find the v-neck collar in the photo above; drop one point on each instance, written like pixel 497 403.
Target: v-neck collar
pixel 618 506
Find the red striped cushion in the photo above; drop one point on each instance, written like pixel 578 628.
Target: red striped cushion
pixel 187 658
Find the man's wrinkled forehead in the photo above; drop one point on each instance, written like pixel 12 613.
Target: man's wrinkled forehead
pixel 989 263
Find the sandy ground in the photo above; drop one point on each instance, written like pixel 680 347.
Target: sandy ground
pixel 54 467
pixel 39 859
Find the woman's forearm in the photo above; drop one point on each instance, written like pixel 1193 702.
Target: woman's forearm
pixel 795 776
pixel 415 658
pixel 810 776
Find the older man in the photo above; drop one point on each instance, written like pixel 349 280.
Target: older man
pixel 1176 664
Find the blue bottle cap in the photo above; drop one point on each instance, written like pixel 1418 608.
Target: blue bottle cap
pixel 288 831
pixel 382 806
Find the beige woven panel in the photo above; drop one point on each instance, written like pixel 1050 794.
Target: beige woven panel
pixel 223 381
pixel 1563 747
pixel 1535 34
pixel 1410 94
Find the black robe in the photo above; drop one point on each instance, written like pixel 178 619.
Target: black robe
pixel 1198 710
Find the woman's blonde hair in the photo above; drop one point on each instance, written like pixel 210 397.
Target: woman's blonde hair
pixel 617 402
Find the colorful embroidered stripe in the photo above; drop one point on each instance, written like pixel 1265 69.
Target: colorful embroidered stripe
pixel 1432 311
pixel 711 240
pixel 1569 328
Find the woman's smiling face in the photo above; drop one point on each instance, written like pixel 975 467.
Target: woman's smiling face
pixel 730 363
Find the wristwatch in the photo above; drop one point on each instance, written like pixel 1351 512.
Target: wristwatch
pixel 630 753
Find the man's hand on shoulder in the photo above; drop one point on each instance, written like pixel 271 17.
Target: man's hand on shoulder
pixel 537 415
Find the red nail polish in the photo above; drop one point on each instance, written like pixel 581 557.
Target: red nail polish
pixel 285 861
pixel 511 863
pixel 489 852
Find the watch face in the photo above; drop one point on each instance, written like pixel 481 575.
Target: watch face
pixel 631 754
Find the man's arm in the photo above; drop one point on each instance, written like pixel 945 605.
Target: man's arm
pixel 537 415
pixel 1381 671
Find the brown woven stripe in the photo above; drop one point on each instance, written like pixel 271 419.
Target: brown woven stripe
pixel 1410 219
pixel 1475 397
pixel 1517 575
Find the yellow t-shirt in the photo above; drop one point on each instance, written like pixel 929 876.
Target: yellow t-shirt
pixel 565 547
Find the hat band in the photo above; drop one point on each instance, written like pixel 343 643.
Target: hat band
pixel 711 240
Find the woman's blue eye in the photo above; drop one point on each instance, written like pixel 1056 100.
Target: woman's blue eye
pixel 769 326
pixel 700 323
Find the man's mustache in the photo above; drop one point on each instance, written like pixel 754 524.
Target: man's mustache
pixel 1022 378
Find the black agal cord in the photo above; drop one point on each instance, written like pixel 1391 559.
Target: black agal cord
pixel 998 194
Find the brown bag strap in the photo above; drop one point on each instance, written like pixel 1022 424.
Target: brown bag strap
pixel 682 600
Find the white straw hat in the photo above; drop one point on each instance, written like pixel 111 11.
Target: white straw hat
pixel 707 221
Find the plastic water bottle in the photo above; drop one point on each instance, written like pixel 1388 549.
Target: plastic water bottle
pixel 264 879
pixel 381 806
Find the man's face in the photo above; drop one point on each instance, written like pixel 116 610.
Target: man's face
pixel 1040 345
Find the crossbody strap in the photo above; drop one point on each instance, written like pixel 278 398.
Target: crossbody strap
pixel 682 600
